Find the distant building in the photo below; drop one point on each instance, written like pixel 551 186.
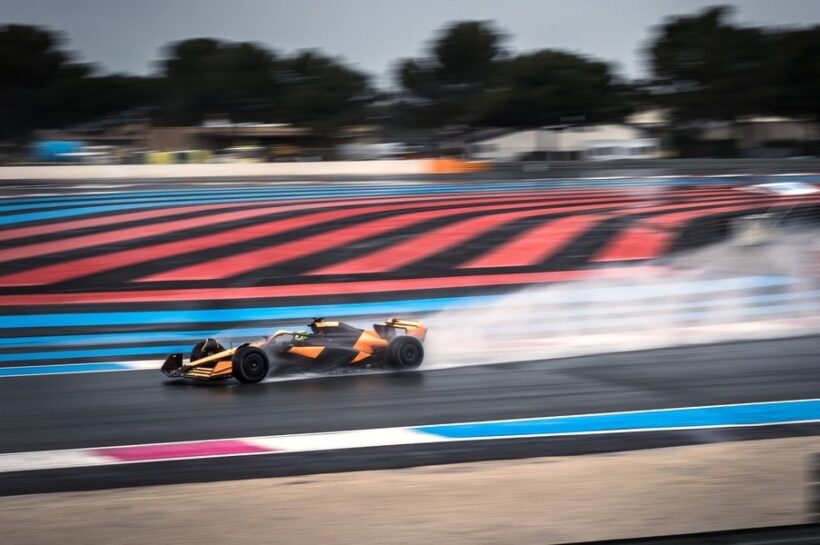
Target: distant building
pixel 217 137
pixel 764 136
pixel 563 143
pixel 611 150
pixel 215 141
pixel 652 118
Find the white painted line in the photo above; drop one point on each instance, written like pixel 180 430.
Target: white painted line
pixel 101 186
pixel 345 439
pixel 27 195
pixel 51 459
pixel 143 365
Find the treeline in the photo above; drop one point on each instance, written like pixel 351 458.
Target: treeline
pixel 43 87
pixel 701 67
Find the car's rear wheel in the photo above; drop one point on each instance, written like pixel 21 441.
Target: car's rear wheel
pixel 205 348
pixel 250 364
pixel 404 352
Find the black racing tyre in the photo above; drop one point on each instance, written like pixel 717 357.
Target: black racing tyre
pixel 250 364
pixel 404 352
pixel 205 348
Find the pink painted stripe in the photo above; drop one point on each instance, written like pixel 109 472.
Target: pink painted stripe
pixel 252 210
pixel 160 212
pixel 240 263
pixel 67 270
pixel 193 449
pixel 655 235
pixel 436 241
pixel 112 219
pixel 636 243
pixel 315 289
pixel 535 245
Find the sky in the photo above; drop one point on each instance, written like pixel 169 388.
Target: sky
pixel 128 36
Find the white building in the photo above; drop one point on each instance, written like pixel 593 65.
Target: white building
pixel 611 150
pixel 593 142
pixel 755 132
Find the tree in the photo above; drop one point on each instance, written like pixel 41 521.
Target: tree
pixel 94 98
pixel 792 73
pixel 553 87
pixel 466 52
pixel 248 83
pixel 205 76
pixel 705 68
pixel 33 67
pixel 321 92
pixel 42 87
pixel 445 86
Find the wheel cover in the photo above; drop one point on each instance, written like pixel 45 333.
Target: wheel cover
pixel 409 354
pixel 253 365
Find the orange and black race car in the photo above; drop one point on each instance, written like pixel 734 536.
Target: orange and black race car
pixel 327 348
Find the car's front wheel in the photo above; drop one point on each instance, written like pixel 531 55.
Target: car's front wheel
pixel 404 352
pixel 250 364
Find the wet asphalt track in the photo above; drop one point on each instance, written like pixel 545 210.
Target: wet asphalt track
pixel 104 409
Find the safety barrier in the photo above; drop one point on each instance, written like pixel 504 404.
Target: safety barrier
pixel 164 165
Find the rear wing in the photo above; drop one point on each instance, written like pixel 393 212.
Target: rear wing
pixel 395 327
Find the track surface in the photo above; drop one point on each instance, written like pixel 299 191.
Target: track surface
pixel 140 407
pixel 108 409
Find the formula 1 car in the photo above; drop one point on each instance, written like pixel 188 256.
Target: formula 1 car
pixel 328 347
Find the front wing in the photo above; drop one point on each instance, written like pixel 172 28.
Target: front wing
pixel 217 366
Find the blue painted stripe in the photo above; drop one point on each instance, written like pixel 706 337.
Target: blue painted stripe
pixel 307 191
pixel 752 414
pixel 185 197
pixel 89 210
pixel 95 353
pixel 375 190
pixel 252 333
pixel 140 195
pixel 277 191
pixel 755 305
pixel 502 329
pixel 63 212
pixel 62 369
pixel 156 201
pixel 296 192
pixel 132 337
pixel 239 314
